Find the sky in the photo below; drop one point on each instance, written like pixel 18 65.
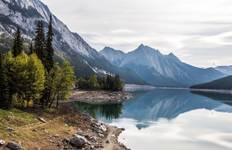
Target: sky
pixel 199 32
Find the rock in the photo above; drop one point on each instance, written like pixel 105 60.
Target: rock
pixel 9 129
pixel 99 128
pixel 92 147
pixel 2 142
pixel 78 141
pixel 42 119
pixel 101 135
pixel 14 146
pixel 93 139
pixel 56 136
pixel 34 130
pixel 107 142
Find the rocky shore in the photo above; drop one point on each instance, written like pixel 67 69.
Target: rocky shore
pixel 100 97
pixel 64 130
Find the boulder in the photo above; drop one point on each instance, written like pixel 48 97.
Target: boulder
pixel 78 141
pixel 14 146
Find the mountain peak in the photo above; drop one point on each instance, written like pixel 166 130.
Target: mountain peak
pixel 146 49
pixel 171 55
pixel 110 49
pixel 141 46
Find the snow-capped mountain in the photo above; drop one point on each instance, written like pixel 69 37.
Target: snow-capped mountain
pixel 25 14
pixel 86 60
pixel 225 69
pixel 159 69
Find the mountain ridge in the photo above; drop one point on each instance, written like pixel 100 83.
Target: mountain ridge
pixel 219 84
pixel 162 70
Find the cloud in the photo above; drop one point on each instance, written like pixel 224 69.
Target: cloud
pixel 185 27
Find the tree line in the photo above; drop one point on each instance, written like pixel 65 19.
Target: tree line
pixel 108 82
pixel 33 77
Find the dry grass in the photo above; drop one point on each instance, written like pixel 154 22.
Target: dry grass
pixel 30 132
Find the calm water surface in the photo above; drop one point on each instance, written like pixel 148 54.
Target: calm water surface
pixel 170 120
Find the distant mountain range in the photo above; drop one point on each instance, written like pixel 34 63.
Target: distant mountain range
pixel 225 69
pixel 158 69
pixel 220 84
pixel 144 65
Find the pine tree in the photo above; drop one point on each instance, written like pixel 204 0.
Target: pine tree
pixel 31 51
pixel 4 88
pixel 18 43
pixel 118 85
pixel 40 42
pixel 49 48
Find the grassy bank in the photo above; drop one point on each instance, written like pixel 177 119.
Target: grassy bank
pixel 27 129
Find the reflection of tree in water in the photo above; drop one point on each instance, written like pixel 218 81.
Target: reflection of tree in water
pixel 108 111
pixel 223 97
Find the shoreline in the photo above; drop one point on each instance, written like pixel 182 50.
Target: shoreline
pixel 66 129
pixel 100 97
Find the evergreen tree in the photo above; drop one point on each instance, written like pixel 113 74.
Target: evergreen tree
pixel 49 48
pixel 40 42
pixel 4 88
pixel 93 82
pixel 18 43
pixel 118 85
pixel 31 51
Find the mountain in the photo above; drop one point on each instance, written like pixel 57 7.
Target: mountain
pixel 220 84
pixel 114 56
pixel 85 59
pixel 160 70
pixel 224 69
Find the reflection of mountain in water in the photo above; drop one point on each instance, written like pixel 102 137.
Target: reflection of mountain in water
pixel 153 105
pixel 168 104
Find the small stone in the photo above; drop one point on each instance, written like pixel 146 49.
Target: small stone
pixel 107 142
pixel 101 135
pixel 42 119
pixel 56 135
pixel 34 130
pixel 2 142
pixel 9 129
pixel 14 146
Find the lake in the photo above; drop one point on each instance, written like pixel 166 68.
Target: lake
pixel 170 119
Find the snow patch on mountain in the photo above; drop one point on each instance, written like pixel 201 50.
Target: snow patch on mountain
pixel 25 14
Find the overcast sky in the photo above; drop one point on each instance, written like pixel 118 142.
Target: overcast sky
pixel 198 31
